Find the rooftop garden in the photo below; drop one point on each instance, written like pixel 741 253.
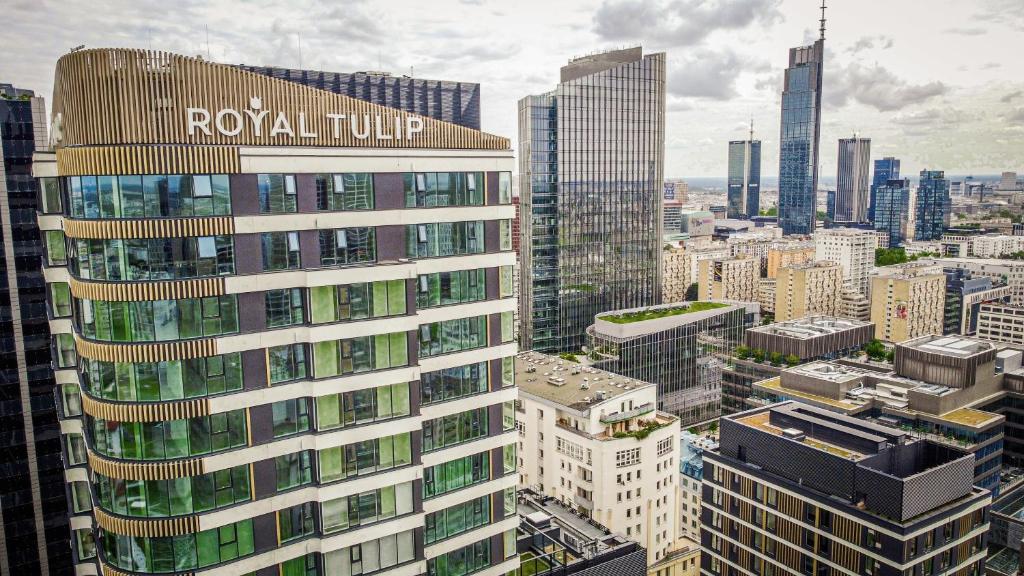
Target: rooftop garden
pixel 643 432
pixel 655 313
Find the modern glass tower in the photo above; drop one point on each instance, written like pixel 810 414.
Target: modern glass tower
pixel 455 102
pixel 33 508
pixel 932 206
pixel 283 348
pixel 892 210
pixel 801 127
pixel 852 194
pixel 591 160
pixel 886 169
pixel 744 198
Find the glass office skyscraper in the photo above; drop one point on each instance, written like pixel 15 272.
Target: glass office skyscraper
pixel 886 169
pixel 892 210
pixel 280 352
pixel 932 205
pixel 852 194
pixel 744 194
pixel 591 155
pixel 33 508
pixel 798 143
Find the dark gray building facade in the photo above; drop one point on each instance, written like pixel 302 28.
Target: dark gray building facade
pixel 455 102
pixel 33 509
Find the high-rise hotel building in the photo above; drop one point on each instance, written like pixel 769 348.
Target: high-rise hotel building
pixel 283 327
pixel 591 155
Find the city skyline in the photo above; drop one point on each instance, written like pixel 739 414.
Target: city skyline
pixel 957 111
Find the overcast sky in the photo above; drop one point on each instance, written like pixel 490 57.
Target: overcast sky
pixel 937 83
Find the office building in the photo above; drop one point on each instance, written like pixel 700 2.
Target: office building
pixel 808 288
pixel 733 278
pixel 936 388
pixel 800 135
pixel 455 102
pixel 852 197
pixel 597 443
pixel 257 317
pixel 795 489
pixel 788 255
pixel 1010 272
pixel 591 156
pixel 892 210
pixel 744 185
pixel 788 343
pixel 932 207
pixel 1000 322
pixel 886 169
pixel 852 249
pixel 553 540
pixel 1008 181
pixel 34 531
pixel 907 301
pixel 672 218
pixel 680 347
pixel 697 223
pixel 964 297
pixel 691 475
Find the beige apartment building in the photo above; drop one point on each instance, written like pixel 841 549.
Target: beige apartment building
pixel 673 278
pixel 732 278
pixel 808 288
pixel 783 256
pixel 907 301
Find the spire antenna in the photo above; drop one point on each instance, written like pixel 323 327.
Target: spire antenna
pixel 751 128
pixel 822 29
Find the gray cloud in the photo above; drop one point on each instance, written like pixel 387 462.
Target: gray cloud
pixel 938 118
pixel 881 42
pixel 705 73
pixel 965 31
pixel 679 22
pixel 1011 96
pixel 351 22
pixel 874 86
pixel 1016 116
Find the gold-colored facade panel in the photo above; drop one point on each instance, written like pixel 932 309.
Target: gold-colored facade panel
pixel 151 228
pixel 138 291
pixel 145 470
pixel 116 160
pixel 148 527
pixel 147 352
pixel 127 96
pixel 145 412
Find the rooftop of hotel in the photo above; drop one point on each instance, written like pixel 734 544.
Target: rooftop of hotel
pixel 569 383
pixel 810 327
pixel 958 346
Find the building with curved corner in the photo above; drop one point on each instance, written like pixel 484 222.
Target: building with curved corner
pixel 282 329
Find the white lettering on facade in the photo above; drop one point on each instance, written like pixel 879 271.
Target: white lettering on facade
pixel 231 122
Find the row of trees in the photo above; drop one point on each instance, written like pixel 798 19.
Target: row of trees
pixel 759 355
pixel 890 256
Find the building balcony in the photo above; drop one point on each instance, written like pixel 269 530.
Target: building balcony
pixel 628 414
pixel 583 502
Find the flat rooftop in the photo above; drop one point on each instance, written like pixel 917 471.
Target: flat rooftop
pixel 957 346
pixel 644 314
pixel 810 327
pixel 774 385
pixel 829 371
pixel 762 421
pixel 569 383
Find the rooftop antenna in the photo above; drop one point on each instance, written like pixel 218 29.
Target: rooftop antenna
pixel 298 35
pixel 822 19
pixel 751 128
pixel 208 42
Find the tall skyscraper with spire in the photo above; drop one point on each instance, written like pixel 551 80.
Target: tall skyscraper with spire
pixel 801 128
pixel 744 177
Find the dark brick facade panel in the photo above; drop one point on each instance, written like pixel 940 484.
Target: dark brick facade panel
pixel 388 191
pixel 245 197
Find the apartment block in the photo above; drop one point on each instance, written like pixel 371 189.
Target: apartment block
pixel 282 348
pixel 795 489
pixel 597 443
pixel 808 288
pixel 854 305
pixel 852 249
pixel 675 266
pixel 732 278
pixel 766 294
pixel 907 301
pixel 996 245
pixel 788 255
pixel 1001 323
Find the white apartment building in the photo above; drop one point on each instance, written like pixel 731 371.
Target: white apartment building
pixel 852 249
pixel 1001 323
pixel 996 245
pixel 595 441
